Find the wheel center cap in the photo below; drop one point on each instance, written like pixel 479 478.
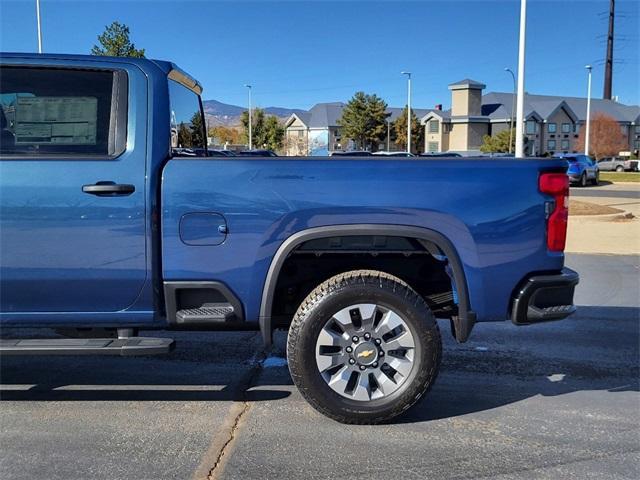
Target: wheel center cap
pixel 366 353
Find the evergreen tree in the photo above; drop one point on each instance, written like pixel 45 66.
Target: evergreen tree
pixel 115 42
pixel 363 120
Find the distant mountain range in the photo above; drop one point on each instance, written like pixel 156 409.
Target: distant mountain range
pixel 218 113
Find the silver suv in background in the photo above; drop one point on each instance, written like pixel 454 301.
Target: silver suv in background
pixel 617 164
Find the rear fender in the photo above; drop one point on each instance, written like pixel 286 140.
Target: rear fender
pixel 463 323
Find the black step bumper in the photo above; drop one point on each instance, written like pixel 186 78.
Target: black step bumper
pixel 542 298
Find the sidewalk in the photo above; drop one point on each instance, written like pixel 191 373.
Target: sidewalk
pixel 608 234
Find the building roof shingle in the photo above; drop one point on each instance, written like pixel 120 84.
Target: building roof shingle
pixel 545 105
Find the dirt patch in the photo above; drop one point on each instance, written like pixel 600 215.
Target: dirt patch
pixel 576 207
pixel 627 217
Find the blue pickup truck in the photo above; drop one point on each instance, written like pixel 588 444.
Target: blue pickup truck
pixel 108 230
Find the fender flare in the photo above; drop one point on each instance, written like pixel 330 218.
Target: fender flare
pixel 462 324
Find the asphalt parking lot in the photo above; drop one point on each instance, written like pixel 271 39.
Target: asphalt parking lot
pixel 559 400
pixel 608 190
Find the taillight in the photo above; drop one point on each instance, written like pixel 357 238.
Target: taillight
pixel 556 185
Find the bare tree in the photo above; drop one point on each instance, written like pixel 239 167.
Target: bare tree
pixel 607 138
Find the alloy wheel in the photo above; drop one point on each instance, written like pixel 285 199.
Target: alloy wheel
pixel 365 352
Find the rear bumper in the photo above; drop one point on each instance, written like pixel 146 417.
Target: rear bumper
pixel 542 298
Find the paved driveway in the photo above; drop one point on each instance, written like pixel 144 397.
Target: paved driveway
pixel 559 400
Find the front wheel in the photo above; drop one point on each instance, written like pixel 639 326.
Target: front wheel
pixel 619 168
pixel 363 347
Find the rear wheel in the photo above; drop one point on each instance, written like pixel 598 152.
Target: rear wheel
pixel 363 347
pixel 596 179
pixel 583 180
pixel 619 168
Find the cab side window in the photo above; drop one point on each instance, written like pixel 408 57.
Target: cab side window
pixel 188 136
pixel 58 111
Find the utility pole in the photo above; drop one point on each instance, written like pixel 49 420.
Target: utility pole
pixel 608 66
pixel 586 133
pixel 513 106
pixel 39 28
pixel 408 74
pixel 250 118
pixel 520 98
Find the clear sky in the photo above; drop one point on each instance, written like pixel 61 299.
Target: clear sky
pixel 298 53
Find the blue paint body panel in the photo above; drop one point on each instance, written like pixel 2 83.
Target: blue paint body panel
pixel 495 217
pixel 71 259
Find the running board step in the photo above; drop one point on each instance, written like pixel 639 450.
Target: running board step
pixel 87 346
pixel 207 313
pixel 557 312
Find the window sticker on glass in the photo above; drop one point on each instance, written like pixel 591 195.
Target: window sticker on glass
pixel 56 120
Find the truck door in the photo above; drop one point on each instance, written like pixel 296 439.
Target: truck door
pixel 72 189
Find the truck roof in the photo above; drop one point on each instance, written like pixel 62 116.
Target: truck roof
pixel 164 66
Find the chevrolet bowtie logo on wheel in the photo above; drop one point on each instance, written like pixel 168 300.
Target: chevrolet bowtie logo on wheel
pixel 366 353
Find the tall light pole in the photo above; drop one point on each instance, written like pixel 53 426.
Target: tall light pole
pixel 513 106
pixel 39 28
pixel 250 118
pixel 408 74
pixel 586 133
pixel 520 97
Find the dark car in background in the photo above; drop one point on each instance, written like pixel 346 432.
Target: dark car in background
pixel 385 153
pixel 351 153
pixel 257 153
pixel 439 155
pixel 221 153
pixel 617 164
pixel 582 169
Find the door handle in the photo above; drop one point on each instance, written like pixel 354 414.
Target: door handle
pixel 109 189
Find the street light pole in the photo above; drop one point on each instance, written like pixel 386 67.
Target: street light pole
pixel 586 133
pixel 513 106
pixel 39 28
pixel 250 118
pixel 408 74
pixel 520 97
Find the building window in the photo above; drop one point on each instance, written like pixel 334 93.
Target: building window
pixel 531 127
pixel 552 127
pixel 434 126
pixel 566 128
pixel 576 127
pixel 565 144
pixel 637 128
pixel 432 146
pixel 300 133
pixel 551 145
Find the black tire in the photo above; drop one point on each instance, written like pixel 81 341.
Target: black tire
pixel 343 291
pixel 619 168
pixel 583 180
pixel 596 179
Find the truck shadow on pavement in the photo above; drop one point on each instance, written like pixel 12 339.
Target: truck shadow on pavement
pixel 205 366
pixel 597 349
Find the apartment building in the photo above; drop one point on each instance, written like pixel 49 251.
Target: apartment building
pixel 552 125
